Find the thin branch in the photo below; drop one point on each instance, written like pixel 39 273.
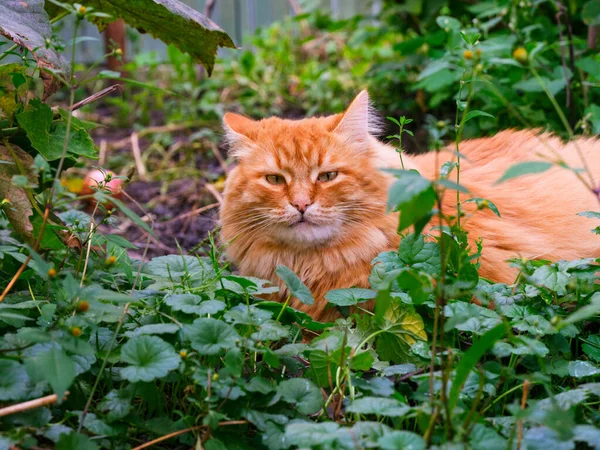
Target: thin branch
pixel 137 156
pixel 98 95
pixel 31 404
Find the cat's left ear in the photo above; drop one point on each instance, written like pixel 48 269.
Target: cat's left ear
pixel 359 121
pixel 239 131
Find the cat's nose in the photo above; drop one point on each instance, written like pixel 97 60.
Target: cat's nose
pixel 301 204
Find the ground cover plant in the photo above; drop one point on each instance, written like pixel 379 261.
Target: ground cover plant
pixel 122 348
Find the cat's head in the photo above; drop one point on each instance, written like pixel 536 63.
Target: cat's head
pixel 306 182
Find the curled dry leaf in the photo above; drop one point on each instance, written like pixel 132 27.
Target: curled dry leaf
pixel 27 24
pixel 19 209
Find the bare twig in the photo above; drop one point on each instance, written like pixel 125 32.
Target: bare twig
pixel 190 213
pixel 526 385
pixel 31 404
pixel 209 7
pixel 98 95
pixel 216 194
pixel 187 430
pixel 137 156
pixel 215 149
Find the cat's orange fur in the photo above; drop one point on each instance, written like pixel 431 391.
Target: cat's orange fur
pixel 346 224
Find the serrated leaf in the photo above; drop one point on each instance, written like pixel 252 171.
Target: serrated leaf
pixel 402 328
pixel 350 297
pixel 187 29
pixel 28 25
pixel 116 404
pixel 380 406
pixel 401 439
pixel 210 336
pixel 53 366
pixel 524 168
pixel 412 195
pixel 176 267
pixel 148 358
pixel 297 288
pixel 304 394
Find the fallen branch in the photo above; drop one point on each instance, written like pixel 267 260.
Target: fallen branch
pixel 31 404
pixel 187 430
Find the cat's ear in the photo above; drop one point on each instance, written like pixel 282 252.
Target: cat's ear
pixel 238 132
pixel 359 121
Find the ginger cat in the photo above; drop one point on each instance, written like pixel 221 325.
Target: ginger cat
pixel 308 194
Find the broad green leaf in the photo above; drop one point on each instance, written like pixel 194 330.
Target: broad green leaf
pixel 75 441
pixel 592 347
pixel 590 13
pixel 37 123
pixel 380 406
pixel 476 113
pixel 401 440
pixel 13 381
pixel 412 195
pixel 53 366
pixel 297 288
pixel 20 209
pixel 543 438
pixel 270 330
pixel 524 168
pixel 486 438
pixel 187 29
pixel 210 336
pixel 377 386
pixel 28 25
pixel 402 327
pixel 311 434
pixel 585 312
pixel 116 404
pixel 175 267
pixel 590 214
pixel 97 426
pixel 580 369
pixel 194 304
pixel 350 297
pixel 552 276
pixel 470 358
pixel 148 358
pixel 302 393
pixel 155 328
pixel 448 23
pixel 417 285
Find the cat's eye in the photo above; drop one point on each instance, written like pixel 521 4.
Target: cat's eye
pixel 327 176
pixel 275 179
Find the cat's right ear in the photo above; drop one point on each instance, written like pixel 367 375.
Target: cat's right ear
pixel 238 132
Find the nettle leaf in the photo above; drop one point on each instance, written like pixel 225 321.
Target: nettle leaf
pixel 524 168
pixel 580 369
pixel 149 358
pixel 155 328
pixel 350 297
pixel 304 394
pixel 37 123
pixel 297 288
pixel 210 336
pixel 402 328
pixel 413 196
pixel 28 25
pixel 171 21
pixel 14 382
pixel 53 366
pixel 194 304
pixel 401 439
pixel 176 267
pixel 415 252
pixel 380 406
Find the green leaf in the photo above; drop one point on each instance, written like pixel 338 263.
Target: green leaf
pixel 149 358
pixel 155 328
pixel 53 366
pixel 484 203
pixel 234 361
pixel 449 184
pixel 194 304
pixel 116 404
pixel 524 168
pixel 304 394
pixel 476 113
pixel 552 276
pixel 448 23
pixel 297 288
pixel 310 435
pixel 380 406
pixel 28 25
pixel 210 336
pixel 402 327
pixel 270 330
pixel 401 439
pixel 470 358
pixel 14 380
pixel 585 312
pixel 176 267
pixel 415 252
pixel 350 297
pixel 590 13
pixel 75 441
pixel 412 195
pixel 580 369
pixel 37 123
pixel 485 438
pixel 171 21
pixel 590 214
pixel 125 210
